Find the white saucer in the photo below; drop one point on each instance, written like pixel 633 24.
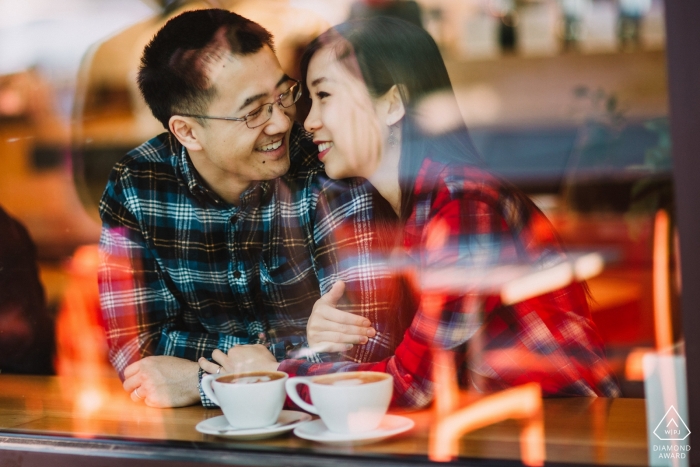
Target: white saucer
pixel 391 425
pixel 212 426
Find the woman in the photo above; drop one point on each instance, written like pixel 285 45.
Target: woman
pixel 383 109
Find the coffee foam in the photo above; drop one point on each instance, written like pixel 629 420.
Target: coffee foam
pixel 348 382
pixel 249 378
pixel 354 379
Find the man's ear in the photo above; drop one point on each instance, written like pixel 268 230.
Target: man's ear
pixel 184 130
pixel 397 110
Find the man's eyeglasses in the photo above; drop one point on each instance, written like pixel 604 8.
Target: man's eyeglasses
pixel 262 114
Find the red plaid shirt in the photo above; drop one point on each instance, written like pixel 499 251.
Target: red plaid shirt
pixel 463 217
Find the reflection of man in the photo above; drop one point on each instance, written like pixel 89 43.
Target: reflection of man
pixel 204 245
pixel 110 113
pixel 109 70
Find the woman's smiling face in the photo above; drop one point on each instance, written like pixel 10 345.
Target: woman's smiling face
pixel 343 118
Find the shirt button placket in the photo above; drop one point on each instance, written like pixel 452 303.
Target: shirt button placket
pixel 235 267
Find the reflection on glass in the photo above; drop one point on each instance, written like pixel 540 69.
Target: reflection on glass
pixel 566 106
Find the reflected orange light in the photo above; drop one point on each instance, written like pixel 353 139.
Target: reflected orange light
pixel 553 278
pixel 537 283
pixel 80 339
pixel 90 400
pixel 634 366
pixel 663 328
pixel 523 403
pixel 662 295
pixel 438 232
pixel 667 373
pixel 662 309
pixel 447 391
pixel 87 376
pixel 513 282
pixel 81 348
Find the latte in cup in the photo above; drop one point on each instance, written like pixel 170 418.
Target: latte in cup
pixel 350 379
pixel 351 402
pixel 250 378
pixel 248 400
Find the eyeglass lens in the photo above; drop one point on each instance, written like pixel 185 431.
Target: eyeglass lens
pixel 262 114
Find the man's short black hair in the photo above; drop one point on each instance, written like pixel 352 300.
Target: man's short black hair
pixel 173 75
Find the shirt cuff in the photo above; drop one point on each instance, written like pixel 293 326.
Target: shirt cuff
pixel 287 348
pixel 206 402
pixel 279 350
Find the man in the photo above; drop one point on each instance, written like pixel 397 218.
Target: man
pixel 220 232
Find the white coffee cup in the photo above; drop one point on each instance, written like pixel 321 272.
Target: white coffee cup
pixel 248 400
pixel 350 402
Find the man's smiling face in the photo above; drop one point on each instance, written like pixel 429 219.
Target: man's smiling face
pixel 231 152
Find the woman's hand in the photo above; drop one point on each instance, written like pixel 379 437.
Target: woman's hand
pixel 240 359
pixel 332 330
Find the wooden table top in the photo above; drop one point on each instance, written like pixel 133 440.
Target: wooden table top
pixel 580 430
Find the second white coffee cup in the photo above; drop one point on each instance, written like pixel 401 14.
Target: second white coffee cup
pixel 350 402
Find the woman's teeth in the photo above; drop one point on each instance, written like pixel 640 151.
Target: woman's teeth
pixel 323 146
pixel 271 146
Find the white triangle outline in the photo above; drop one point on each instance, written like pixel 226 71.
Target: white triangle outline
pixel 679 418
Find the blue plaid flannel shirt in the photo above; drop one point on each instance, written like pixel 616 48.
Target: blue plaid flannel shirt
pixel 183 272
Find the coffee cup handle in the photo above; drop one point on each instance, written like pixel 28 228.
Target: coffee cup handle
pixel 206 388
pixel 291 386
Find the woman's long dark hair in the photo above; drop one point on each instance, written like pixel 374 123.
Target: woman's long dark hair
pixel 385 52
pixel 388 52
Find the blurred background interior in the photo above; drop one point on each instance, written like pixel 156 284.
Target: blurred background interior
pixel 567 99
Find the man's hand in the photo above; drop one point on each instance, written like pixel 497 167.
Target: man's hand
pixel 332 330
pixel 240 359
pixel 163 381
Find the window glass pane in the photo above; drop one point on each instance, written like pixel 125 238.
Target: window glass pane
pixel 560 269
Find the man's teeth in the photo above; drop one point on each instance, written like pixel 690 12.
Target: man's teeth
pixel 271 146
pixel 323 146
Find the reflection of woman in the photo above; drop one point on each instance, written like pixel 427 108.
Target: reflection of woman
pixel 383 109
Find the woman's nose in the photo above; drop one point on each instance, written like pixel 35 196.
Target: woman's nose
pixel 312 122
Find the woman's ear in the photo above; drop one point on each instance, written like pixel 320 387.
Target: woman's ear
pixel 184 130
pixel 396 111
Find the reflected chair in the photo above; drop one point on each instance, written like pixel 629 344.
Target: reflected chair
pixel 522 403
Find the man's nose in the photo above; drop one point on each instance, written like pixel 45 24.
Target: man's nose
pixel 279 120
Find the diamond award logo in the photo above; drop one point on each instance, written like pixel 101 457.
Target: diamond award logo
pixel 672 427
